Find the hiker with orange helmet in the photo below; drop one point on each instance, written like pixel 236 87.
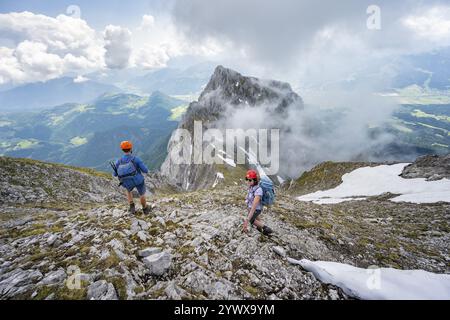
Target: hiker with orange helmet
pixel 254 204
pixel 129 170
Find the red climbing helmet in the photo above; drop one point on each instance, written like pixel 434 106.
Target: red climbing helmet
pixel 252 174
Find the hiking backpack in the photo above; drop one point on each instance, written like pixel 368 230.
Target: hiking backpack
pixel 126 169
pixel 266 185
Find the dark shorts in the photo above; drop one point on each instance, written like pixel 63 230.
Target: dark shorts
pixel 255 215
pixel 140 189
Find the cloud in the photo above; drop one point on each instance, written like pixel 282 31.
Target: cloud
pixel 61 35
pixel 332 59
pixel 151 57
pixel 433 24
pixel 118 46
pixel 148 21
pixel 43 48
pixel 36 47
pixel 306 41
pixel 157 40
pixel 80 79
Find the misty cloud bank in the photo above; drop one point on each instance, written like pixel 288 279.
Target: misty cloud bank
pixel 311 135
pixel 332 60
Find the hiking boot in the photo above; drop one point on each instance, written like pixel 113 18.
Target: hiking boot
pixel 146 210
pixel 132 208
pixel 266 231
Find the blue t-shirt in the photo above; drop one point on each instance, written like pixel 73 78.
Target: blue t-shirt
pixel 252 193
pixel 140 167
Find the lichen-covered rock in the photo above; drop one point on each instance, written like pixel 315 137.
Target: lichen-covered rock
pixel 101 290
pixel 54 277
pixel 158 263
pixel 431 167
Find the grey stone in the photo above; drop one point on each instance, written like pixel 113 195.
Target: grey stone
pixel 142 236
pixel 280 251
pixel 51 239
pixel 158 263
pixel 148 252
pixel 116 244
pixel 174 292
pixel 54 277
pixel 101 290
pixel 51 296
pixel 18 281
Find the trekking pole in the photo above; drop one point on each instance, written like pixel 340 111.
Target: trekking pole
pixel 113 166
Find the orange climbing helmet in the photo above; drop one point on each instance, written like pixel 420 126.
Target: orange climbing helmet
pixel 126 145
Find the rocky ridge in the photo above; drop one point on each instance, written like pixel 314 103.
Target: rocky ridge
pixel 192 245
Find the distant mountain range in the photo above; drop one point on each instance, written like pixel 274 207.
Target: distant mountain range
pixel 89 134
pixel 40 95
pixel 174 81
pixel 430 70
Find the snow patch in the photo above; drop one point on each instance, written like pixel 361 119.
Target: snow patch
pixel 228 161
pixel 373 181
pixel 219 177
pixel 252 159
pixel 381 283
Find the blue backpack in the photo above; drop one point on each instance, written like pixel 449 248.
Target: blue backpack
pixel 266 185
pixel 126 170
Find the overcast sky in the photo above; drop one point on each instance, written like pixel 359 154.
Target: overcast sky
pixel 292 40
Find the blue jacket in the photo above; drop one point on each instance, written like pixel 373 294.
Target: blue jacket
pixel 140 166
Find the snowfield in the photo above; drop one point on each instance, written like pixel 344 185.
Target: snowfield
pixel 382 283
pixel 373 181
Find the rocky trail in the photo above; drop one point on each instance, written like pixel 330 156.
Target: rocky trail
pixel 192 247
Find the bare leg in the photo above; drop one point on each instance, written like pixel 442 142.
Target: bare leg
pixel 130 197
pixel 143 201
pixel 258 222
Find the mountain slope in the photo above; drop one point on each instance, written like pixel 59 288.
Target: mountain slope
pixel 25 181
pixel 203 253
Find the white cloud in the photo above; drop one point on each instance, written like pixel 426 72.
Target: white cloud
pixel 80 79
pixel 305 41
pixel 433 24
pixel 36 47
pixel 118 46
pixel 10 67
pixel 151 57
pixel 61 35
pixel 148 21
pixel 34 59
pixel 157 40
pixel 43 48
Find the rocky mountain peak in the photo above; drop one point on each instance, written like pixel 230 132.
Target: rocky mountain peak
pixel 228 92
pixel 230 88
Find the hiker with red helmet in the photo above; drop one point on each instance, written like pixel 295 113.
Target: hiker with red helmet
pixel 129 170
pixel 254 204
